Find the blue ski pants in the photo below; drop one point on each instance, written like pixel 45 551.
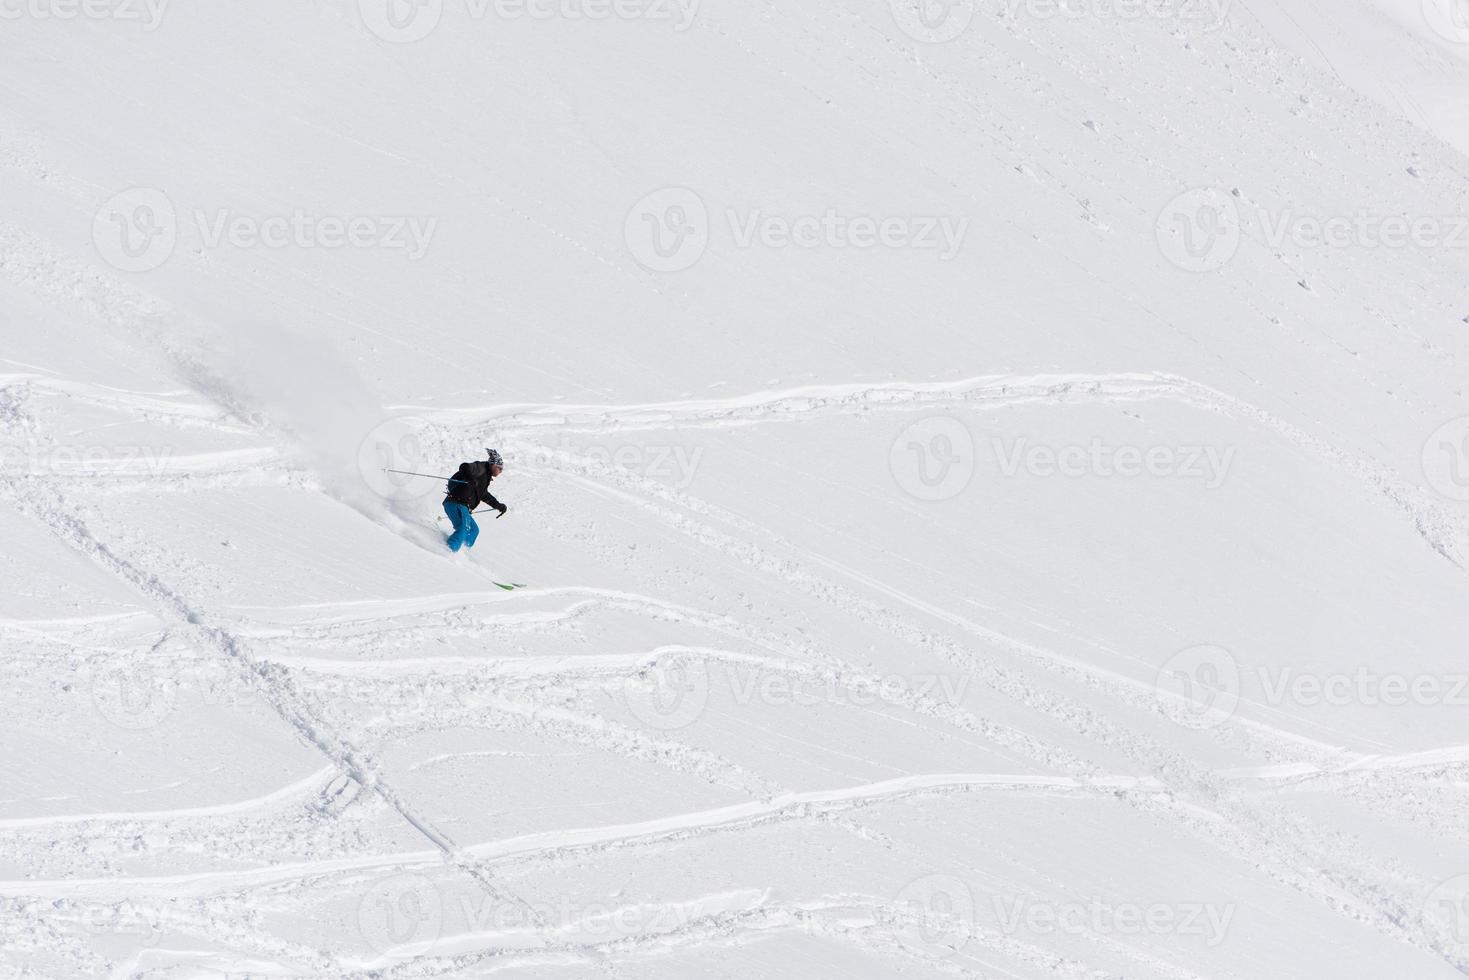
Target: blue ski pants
pixel 465 529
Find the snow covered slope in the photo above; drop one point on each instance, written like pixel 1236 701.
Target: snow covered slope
pixel 1409 55
pixel 989 482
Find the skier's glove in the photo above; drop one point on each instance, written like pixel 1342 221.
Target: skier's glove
pixel 503 509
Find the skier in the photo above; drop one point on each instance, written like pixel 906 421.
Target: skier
pixel 469 488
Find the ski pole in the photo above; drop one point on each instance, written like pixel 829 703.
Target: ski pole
pixel 426 476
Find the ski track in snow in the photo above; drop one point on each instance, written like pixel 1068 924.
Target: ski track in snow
pixel 785 807
pixel 286 793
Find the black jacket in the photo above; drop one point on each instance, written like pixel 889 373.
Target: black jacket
pixel 471 486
